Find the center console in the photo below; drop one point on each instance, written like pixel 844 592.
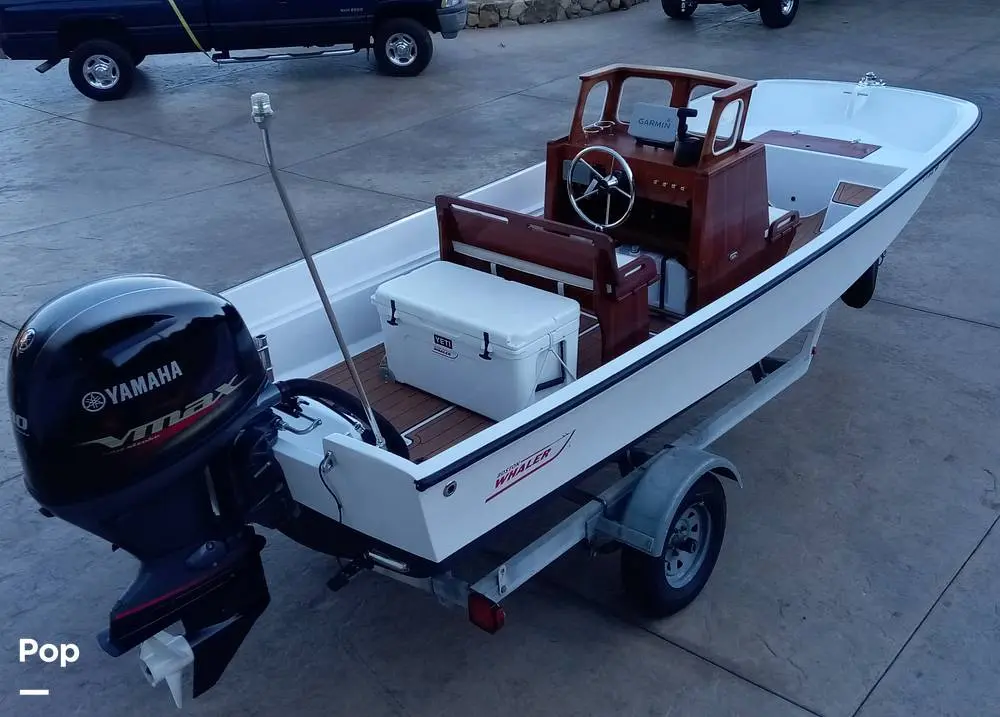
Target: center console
pixel 699 200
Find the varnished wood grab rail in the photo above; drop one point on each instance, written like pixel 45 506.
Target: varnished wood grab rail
pixel 732 85
pixel 682 82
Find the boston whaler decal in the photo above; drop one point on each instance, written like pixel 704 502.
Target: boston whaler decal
pixel 94 401
pixel 171 423
pixel 526 466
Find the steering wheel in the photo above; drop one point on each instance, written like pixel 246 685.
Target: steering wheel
pixel 601 184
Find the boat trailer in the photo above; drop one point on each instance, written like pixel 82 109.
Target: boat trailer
pixel 649 513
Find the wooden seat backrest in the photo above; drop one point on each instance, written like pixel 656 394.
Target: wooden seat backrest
pixel 533 245
pixel 488 237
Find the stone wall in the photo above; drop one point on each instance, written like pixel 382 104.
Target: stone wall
pixel 507 13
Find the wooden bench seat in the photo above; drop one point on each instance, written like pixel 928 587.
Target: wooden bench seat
pixel 571 261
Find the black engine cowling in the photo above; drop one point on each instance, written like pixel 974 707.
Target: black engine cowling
pixel 142 414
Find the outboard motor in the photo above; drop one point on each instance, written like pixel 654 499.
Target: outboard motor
pixel 142 414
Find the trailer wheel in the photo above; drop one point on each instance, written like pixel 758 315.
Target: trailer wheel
pixel 778 13
pixel 862 290
pixel 403 47
pixel 679 9
pixel 101 70
pixel 665 584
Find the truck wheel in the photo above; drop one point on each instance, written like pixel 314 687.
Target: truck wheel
pixel 102 70
pixel 665 584
pixel 778 13
pixel 679 9
pixel 403 47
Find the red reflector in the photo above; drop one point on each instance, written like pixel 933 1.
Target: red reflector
pixel 484 613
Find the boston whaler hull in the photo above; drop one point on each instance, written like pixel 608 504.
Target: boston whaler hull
pixel 640 389
pixel 485 354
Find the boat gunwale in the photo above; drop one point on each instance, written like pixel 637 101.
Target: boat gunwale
pixel 813 251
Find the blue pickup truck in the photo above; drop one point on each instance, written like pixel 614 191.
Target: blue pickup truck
pixel 105 40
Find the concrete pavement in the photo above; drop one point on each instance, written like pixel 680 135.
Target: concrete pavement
pixel 860 570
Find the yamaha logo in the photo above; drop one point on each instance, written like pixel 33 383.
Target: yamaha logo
pixel 93 401
pixel 24 340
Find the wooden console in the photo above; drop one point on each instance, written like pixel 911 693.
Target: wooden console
pixel 712 215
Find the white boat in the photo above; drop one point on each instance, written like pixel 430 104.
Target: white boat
pixel 517 337
pixel 886 145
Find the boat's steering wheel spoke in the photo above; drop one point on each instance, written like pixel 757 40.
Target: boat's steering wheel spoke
pixel 600 183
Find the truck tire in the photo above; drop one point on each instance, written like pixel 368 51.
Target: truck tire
pixel 679 9
pixel 101 70
pixel 403 47
pixel 778 13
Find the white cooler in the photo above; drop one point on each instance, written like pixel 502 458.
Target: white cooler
pixel 670 291
pixel 477 340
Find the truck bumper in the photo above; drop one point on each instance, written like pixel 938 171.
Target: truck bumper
pixel 453 19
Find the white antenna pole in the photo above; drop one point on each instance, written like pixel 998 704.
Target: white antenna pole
pixel 261 114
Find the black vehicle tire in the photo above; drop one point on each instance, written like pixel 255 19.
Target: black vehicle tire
pixel 679 9
pixel 862 291
pixel 665 584
pixel 101 70
pixel 778 13
pixel 403 47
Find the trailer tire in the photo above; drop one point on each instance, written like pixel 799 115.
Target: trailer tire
pixel 101 69
pixel 665 584
pixel 679 9
pixel 403 47
pixel 778 13
pixel 862 290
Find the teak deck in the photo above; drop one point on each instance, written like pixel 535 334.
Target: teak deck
pixel 429 424
pixel 826 145
pixel 853 195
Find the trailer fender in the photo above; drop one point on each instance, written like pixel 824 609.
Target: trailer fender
pixel 667 477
